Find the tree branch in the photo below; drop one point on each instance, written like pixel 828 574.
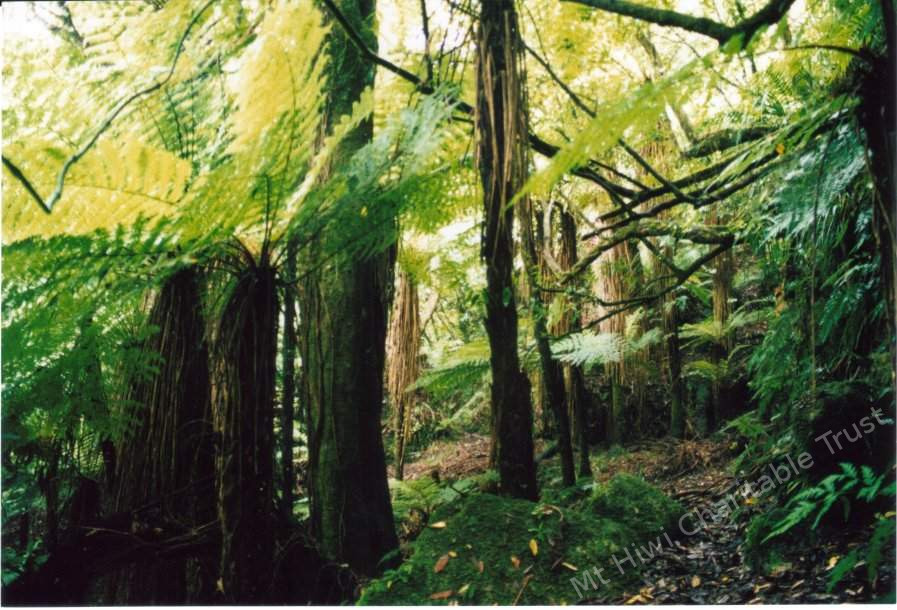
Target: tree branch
pixel 769 14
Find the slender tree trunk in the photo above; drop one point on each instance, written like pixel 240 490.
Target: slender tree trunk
pixel 247 353
pixel 552 373
pixel 577 394
pixel 502 161
pixel 289 382
pixel 345 307
pixel 674 366
pixel 403 363
pixel 724 269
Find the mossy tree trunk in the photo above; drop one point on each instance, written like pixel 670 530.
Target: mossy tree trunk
pixel 502 163
pixel 674 365
pixel 344 304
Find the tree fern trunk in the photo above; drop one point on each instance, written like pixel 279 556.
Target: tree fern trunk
pixel 502 161
pixel 403 363
pixel 247 350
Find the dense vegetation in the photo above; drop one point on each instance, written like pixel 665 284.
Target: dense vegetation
pixel 315 301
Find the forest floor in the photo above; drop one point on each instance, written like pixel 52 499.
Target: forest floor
pixel 711 566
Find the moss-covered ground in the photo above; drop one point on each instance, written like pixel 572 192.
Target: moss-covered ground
pixel 487 549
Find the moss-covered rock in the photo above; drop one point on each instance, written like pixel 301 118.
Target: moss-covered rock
pixel 485 546
pixel 640 506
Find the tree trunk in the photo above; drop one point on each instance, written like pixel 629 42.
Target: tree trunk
pixel 403 363
pixel 674 367
pixel 724 269
pixel 289 383
pixel 552 373
pixel 502 162
pixel 168 455
pixel 247 353
pixel 878 117
pixel 345 306
pixel 577 394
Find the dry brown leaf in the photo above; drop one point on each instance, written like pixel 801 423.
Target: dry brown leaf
pixel 635 599
pixel 463 589
pixel 440 564
pixel 515 561
pixel 452 554
pixel 534 547
pixel 438 525
pixel 695 581
pixel 569 566
pixel 442 595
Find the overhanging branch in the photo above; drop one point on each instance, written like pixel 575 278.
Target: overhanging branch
pixel 768 15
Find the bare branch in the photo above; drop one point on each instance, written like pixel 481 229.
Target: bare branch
pixel 722 33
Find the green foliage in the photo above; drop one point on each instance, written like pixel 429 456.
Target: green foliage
pixel 588 348
pixel 873 553
pixel 845 487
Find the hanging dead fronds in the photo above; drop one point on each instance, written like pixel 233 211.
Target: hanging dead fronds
pixel 166 455
pixel 403 368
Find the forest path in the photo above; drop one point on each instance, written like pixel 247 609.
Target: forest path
pixel 710 567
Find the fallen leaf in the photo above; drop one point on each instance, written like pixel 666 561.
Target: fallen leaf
pixel 219 584
pixel 832 562
pixel 534 547
pixel 798 583
pixel 438 525
pixel 463 589
pixel 440 564
pixel 695 581
pixel 452 554
pixel 635 599
pixel 780 148
pixel 481 566
pixel 442 595
pixel 515 561
pixel 569 566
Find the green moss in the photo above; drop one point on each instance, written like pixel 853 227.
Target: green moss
pixel 491 529
pixel 637 504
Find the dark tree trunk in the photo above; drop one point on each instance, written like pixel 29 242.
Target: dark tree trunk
pixel 502 161
pixel 674 363
pixel 724 269
pixel 168 457
pixel 344 306
pixel 552 373
pixel 577 394
pixel 247 350
pixel 289 383
pixel 878 117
